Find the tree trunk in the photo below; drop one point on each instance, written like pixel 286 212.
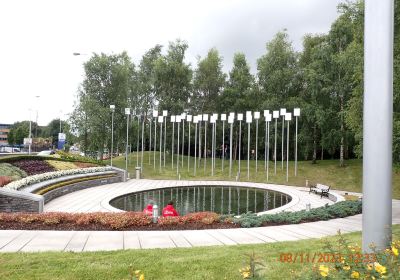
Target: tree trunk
pixel 342 133
pixel 314 157
pixel 322 153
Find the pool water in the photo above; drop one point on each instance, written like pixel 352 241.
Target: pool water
pixel 219 199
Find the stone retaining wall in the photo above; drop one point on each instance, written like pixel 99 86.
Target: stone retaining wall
pixel 17 201
pixel 23 201
pixel 80 186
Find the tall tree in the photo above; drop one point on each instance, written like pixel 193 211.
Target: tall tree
pixel 209 81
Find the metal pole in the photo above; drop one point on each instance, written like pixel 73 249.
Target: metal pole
pixel 183 138
pixel 223 144
pixel 267 151
pixel 127 140
pixel 377 124
pixel 165 134
pixel 137 142
pixel 276 128
pixel 287 153
pixel 195 149
pixel 265 146
pixel 205 146
pixel 212 149
pixel 112 136
pixel 177 149
pixel 150 142
pixel 230 151
pixel 248 151
pixel 256 145
pixel 155 141
pixel 161 137
pixel 141 159
pixel 189 149
pixel 30 135
pixel 215 142
pixel 172 147
pixel 199 143
pixel 283 136
pixel 295 153
pixel 240 142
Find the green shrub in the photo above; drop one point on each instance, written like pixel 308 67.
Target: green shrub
pixel 337 210
pixel 11 171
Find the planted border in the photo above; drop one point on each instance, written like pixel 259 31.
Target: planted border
pixel 16 185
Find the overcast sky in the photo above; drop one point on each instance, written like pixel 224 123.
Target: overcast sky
pixel 38 39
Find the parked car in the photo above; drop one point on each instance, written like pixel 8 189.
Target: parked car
pixel 46 153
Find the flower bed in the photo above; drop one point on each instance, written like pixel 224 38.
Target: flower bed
pixel 16 185
pixel 107 221
pixel 140 221
pixel 34 166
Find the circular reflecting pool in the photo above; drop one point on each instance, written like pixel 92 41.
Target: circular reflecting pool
pixel 219 199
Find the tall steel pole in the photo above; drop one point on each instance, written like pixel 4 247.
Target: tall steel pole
pixel 30 133
pixel 183 135
pixel 200 118
pixel 275 116
pixel 173 118
pixel 165 114
pixel 189 120
pixel 155 115
pixel 138 136
pixel 249 119
pixel 377 124
pixel 212 144
pixel 127 113
pixel 205 119
pixel 268 148
pixel 178 120
pixel 240 139
pixel 195 120
pixel 230 120
pixel 161 121
pixel 223 119
pixel 112 107
pixel 296 113
pixel 283 113
pixel 288 118
pixel 150 141
pixel 256 117
pixel 141 158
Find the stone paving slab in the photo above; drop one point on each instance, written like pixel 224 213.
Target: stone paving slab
pixel 131 240
pixel 78 241
pixel 48 241
pixel 155 239
pixel 20 241
pixel 104 241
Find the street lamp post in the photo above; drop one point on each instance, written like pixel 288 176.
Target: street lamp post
pixel 165 114
pixel 275 115
pixel 266 113
pixel 30 131
pixel 296 113
pixel 249 119
pixel 240 119
pixel 288 118
pixel 283 113
pixel 199 118
pixel 112 108
pixel 141 158
pixel 138 136
pixel 231 119
pixel 215 137
pixel 151 121
pixel 223 119
pixel 127 113
pixel 256 117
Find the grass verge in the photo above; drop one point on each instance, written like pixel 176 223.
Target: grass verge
pixel 218 262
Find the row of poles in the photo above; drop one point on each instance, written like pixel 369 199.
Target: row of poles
pixel 204 119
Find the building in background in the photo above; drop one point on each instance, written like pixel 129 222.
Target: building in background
pixel 4 130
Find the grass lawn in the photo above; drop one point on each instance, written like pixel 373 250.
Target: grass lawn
pixel 218 262
pixel 327 172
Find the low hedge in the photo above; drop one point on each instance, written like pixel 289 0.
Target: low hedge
pixel 10 159
pixel 338 210
pixel 69 182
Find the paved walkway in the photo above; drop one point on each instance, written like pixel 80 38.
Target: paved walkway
pixel 97 199
pixel 78 241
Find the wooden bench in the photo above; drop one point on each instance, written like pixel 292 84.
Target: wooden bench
pixel 320 189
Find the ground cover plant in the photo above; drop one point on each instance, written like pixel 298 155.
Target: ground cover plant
pixel 33 166
pixel 199 263
pixel 11 171
pixel 61 165
pixel 199 220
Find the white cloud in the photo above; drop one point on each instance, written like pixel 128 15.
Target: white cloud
pixel 39 37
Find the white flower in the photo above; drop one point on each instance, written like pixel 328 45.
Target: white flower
pixel 16 185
